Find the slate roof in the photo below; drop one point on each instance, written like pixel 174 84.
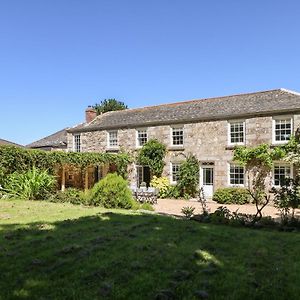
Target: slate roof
pixel 5 142
pixel 55 140
pixel 270 102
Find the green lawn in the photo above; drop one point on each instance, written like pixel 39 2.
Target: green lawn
pixel 60 251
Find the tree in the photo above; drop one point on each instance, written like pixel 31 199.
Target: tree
pixel 258 163
pixel 109 105
pixel 152 154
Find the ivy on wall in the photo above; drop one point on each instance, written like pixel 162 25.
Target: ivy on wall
pixel 152 154
pixel 258 163
pixel 188 174
pixel 14 159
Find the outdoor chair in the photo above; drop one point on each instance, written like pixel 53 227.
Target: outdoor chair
pixel 147 195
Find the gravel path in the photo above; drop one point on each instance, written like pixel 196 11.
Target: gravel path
pixel 173 207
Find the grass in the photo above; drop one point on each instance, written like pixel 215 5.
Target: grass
pixel 62 251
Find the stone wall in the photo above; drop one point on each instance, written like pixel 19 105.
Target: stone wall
pixel 208 141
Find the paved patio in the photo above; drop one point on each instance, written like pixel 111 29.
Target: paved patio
pixel 173 207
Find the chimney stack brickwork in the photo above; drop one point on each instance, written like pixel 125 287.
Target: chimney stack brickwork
pixel 90 114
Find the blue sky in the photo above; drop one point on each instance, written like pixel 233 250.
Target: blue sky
pixel 59 56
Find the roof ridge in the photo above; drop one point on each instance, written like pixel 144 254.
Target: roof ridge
pixel 195 100
pixel 258 103
pixel 290 91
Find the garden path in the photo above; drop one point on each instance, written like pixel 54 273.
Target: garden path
pixel 174 206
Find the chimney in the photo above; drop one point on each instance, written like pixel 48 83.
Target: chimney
pixel 90 114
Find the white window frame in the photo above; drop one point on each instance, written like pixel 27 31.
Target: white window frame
pixel 229 123
pixel 75 148
pixel 141 167
pixel 171 172
pixel 274 119
pixel 178 127
pixel 228 172
pixel 137 136
pixel 109 140
pixel 280 164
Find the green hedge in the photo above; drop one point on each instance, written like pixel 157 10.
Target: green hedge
pixel 16 159
pixel 232 195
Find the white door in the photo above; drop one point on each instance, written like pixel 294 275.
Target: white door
pixel 207 180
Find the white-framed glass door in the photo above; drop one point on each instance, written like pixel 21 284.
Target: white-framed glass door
pixel 142 175
pixel 207 179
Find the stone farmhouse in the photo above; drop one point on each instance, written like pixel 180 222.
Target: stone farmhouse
pixel 206 128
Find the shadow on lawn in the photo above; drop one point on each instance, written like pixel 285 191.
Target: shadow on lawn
pixel 120 256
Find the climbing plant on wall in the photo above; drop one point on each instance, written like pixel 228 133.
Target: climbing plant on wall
pixel 152 154
pixel 14 159
pixel 258 162
pixel 188 174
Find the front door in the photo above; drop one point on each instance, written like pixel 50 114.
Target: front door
pixel 207 180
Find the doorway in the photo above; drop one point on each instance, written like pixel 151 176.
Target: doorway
pixel 207 179
pixel 143 175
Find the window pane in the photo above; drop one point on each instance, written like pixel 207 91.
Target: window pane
pixel 283 129
pixel 113 138
pixel 281 172
pixel 77 143
pixel 208 176
pixel 177 136
pixel 142 137
pixel 236 174
pixel 237 132
pixel 175 170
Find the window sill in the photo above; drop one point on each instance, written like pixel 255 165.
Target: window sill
pixel 176 148
pixel 113 150
pixel 274 144
pixel 236 185
pixel 233 146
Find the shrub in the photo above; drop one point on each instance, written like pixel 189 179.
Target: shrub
pixel 221 215
pixel 32 185
pixel 162 184
pixel 188 177
pixel 112 192
pixel 267 221
pixel 70 195
pixel 188 211
pixel 173 192
pixel 287 198
pixel 231 196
